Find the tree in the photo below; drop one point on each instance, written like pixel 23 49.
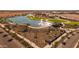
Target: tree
pixel 56 44
pixel 8 27
pixel 64 43
pixel 35 35
pixel 3 20
pixel 68 37
pixel 56 25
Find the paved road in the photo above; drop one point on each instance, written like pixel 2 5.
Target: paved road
pixel 70 43
pixel 4 40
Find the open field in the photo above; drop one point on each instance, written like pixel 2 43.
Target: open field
pixel 73 17
pixel 7 40
pixel 55 20
pixel 40 37
pixel 13 13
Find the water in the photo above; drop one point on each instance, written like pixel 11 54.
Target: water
pixel 24 20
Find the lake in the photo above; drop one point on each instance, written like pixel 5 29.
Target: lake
pixel 24 20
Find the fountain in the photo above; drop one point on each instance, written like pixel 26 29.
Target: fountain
pixel 44 23
pixel 41 22
pixel 33 23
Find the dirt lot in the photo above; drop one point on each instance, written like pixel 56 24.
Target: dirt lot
pixel 12 13
pixel 70 16
pixel 16 13
pixel 40 37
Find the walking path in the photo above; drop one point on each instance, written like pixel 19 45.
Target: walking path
pixel 58 39
pixel 70 43
pixel 33 44
pixel 27 40
pixel 76 44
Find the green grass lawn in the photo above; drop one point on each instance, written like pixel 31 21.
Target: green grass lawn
pixel 35 18
pixel 55 20
pixel 50 20
pixel 73 23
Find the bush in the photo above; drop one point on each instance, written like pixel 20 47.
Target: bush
pixel 56 44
